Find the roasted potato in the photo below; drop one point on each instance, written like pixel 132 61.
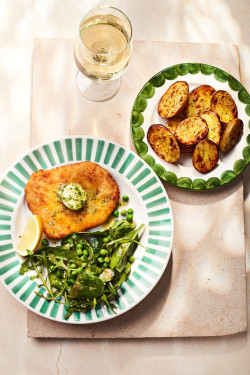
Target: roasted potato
pixel 172 123
pixel 224 106
pixel 195 123
pixel 191 131
pixel 199 101
pixel 163 142
pixel 205 156
pixel 231 135
pixel 214 126
pixel 174 100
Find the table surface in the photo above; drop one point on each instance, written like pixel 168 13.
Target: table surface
pixel 166 20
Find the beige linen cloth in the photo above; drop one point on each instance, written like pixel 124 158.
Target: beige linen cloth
pixel 203 290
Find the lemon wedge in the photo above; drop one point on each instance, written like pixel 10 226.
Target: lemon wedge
pixel 31 235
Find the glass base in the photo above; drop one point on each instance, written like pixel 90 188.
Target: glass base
pixel 97 91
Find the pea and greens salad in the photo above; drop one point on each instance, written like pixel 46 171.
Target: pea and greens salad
pixel 88 267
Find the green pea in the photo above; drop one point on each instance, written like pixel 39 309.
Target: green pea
pixel 74 236
pixel 58 285
pixel 52 267
pixel 59 273
pixel 72 281
pixel 79 246
pixel 105 265
pixel 131 259
pixel 106 239
pixel 116 213
pixel 129 217
pixel 106 259
pixel 125 198
pixel 123 212
pixel 130 210
pixel 77 271
pixel 103 252
pixel 79 252
pixel 100 260
pixel 73 265
pixel 45 242
pixel 85 252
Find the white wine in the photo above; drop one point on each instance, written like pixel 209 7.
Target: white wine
pixel 102 52
pixel 104 47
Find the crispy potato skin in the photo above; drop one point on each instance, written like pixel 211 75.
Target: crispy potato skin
pixel 172 123
pixel 231 135
pixel 199 101
pixel 174 100
pixel 163 143
pixel 191 131
pixel 224 106
pixel 205 156
pixel 58 221
pixel 214 126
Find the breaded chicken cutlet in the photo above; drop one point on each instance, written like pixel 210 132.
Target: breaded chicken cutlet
pixel 42 198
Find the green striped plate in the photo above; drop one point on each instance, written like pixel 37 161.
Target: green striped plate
pixel 147 197
pixel 144 113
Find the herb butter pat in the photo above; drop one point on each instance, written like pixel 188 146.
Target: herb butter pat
pixel 73 196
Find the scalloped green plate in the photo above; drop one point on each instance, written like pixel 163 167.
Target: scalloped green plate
pixel 144 113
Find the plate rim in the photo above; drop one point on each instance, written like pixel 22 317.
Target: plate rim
pixel 160 273
pixel 170 177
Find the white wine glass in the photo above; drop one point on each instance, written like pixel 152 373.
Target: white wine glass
pixel 102 52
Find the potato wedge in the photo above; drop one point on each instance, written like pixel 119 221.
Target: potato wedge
pixel 224 106
pixel 205 156
pixel 174 99
pixel 214 126
pixel 172 123
pixel 191 131
pixel 199 101
pixel 231 135
pixel 163 142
